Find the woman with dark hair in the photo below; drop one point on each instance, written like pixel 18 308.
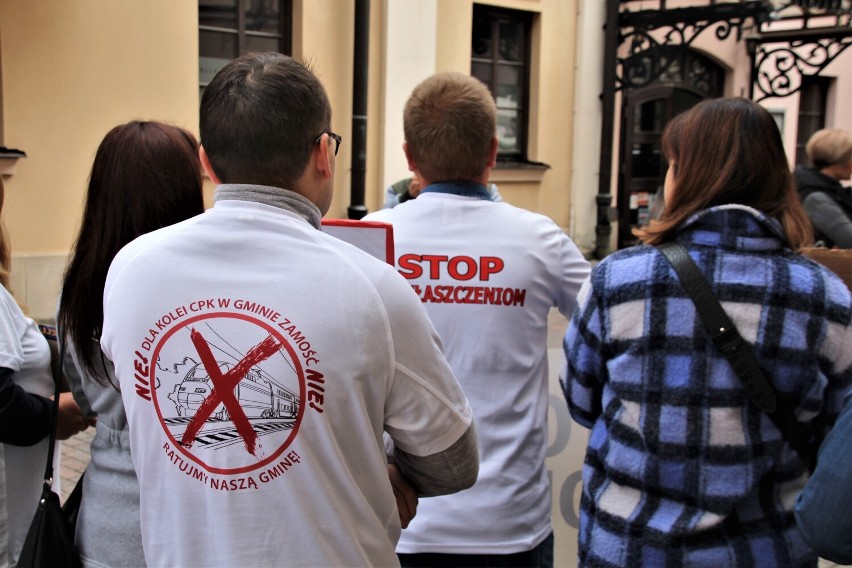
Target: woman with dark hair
pixel 681 467
pixel 146 175
pixel 26 387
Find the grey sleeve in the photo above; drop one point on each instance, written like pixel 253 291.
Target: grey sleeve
pixel 75 380
pixel 450 471
pixel 829 219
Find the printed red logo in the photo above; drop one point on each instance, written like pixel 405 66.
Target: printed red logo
pixel 228 389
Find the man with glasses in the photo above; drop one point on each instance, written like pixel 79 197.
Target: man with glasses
pixel 488 273
pixel 261 361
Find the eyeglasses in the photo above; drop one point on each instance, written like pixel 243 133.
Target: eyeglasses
pixel 336 137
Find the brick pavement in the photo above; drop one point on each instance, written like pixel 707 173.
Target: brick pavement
pixel 75 458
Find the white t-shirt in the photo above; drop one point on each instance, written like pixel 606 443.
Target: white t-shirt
pixel 488 274
pixel 24 350
pixel 260 360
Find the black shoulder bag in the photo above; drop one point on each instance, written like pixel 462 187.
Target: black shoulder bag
pixel 740 355
pixel 50 538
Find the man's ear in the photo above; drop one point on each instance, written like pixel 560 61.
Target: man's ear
pixel 205 163
pixel 492 157
pixel 412 167
pixel 321 158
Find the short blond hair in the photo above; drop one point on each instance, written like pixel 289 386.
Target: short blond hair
pixel 829 147
pixel 450 120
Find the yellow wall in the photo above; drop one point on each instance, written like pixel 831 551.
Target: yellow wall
pixel 326 39
pixel 71 71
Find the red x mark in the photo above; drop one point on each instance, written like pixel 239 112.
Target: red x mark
pixel 223 389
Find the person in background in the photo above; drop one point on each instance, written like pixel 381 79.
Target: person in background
pixel 26 390
pixel 822 510
pixel 682 469
pixel 488 274
pixel 409 188
pixel 261 360
pixel 146 175
pixel 827 202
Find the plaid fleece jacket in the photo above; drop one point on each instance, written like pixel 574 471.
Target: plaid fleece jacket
pixel 681 468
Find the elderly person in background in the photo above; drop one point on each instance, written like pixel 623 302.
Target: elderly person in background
pixel 827 202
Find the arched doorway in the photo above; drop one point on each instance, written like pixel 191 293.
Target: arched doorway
pixel 683 77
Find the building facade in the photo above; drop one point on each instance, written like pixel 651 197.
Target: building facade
pixel 660 57
pixel 70 71
pixel 583 88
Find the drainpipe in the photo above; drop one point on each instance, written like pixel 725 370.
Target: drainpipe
pixel 361 59
pixel 603 199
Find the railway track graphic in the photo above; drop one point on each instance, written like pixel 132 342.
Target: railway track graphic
pixel 218 434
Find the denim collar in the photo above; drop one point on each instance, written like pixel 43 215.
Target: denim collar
pixel 462 188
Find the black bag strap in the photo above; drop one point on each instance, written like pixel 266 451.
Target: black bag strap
pixel 740 355
pixel 49 333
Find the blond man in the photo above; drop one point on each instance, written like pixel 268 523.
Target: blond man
pixel 488 274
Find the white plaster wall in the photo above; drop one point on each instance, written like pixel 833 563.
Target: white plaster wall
pixel 36 279
pixel 839 113
pixel 588 115
pixel 410 32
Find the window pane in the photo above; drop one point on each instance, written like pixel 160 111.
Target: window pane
pixel 499 58
pixel 508 97
pixel 509 86
pixel 262 16
pixel 811 99
pixel 672 70
pixel 647 160
pixel 209 66
pixel 682 101
pixel 482 44
pixel 218 13
pixel 221 45
pixel 511 41
pixel 255 43
pixel 649 117
pixel 507 130
pixel 482 71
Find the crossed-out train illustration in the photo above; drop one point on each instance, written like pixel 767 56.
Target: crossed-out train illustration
pixel 228 390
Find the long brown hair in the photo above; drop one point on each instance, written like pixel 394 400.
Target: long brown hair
pixel 727 151
pixel 145 176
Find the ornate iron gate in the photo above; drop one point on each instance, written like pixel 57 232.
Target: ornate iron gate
pixel 655 38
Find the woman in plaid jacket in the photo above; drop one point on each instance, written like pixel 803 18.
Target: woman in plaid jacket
pixel 682 469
